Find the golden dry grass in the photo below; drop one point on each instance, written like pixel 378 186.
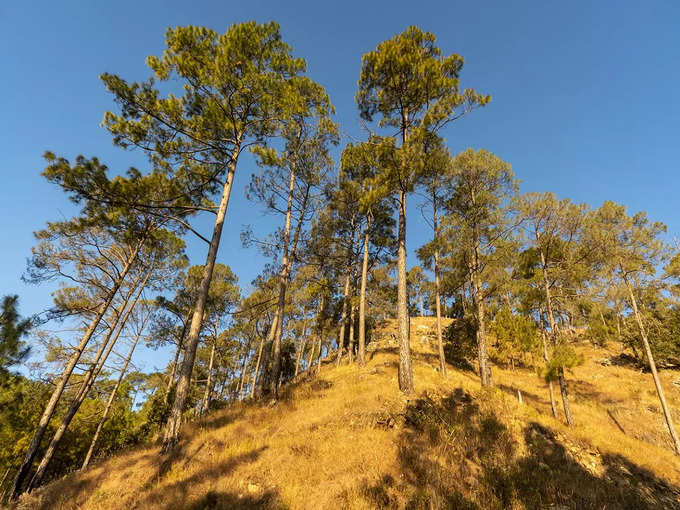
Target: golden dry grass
pixel 348 439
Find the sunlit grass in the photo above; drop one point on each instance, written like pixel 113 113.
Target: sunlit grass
pixel 348 439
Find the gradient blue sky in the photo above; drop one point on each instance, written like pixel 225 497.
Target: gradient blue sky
pixel 584 104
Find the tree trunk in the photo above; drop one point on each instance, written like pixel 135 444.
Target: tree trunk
pixel 176 359
pixel 322 306
pixel 312 352
pixel 2 482
pixel 171 379
pixel 256 370
pixel 32 450
pixel 286 270
pixel 440 341
pixel 97 365
pixel 565 396
pixel 350 348
pixel 478 301
pixel 109 402
pixel 243 369
pixel 283 284
pixel 482 351
pixel 652 367
pixel 361 355
pixel 298 358
pixel 553 405
pixel 276 377
pixel 343 316
pixel 208 388
pixel 172 427
pixel 553 331
pixel 405 368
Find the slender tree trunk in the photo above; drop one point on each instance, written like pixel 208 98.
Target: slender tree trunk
pixel 239 393
pixel 618 320
pixel 437 296
pixel 361 355
pixel 298 358
pixel 109 402
pixel 312 353
pixel 553 332
pixel 276 379
pixel 319 356
pixel 553 405
pixel 256 370
pixel 478 299
pixel 243 369
pixel 276 346
pixel 652 367
pixel 2 482
pixel 208 387
pixel 32 450
pixel 173 371
pixel 97 365
pixel 343 316
pixel 484 369
pixel 405 368
pixel 565 396
pixel 604 322
pixel 322 309
pixel 350 349
pixel 286 270
pixel 172 427
pixel 171 380
pixel 283 283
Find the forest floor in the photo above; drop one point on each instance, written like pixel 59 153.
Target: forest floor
pixel 348 439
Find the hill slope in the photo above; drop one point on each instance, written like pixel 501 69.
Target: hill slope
pixel 348 439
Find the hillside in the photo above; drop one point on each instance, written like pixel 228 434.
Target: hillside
pixel 348 439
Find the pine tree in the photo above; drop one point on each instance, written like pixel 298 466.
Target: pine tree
pixel 412 87
pixel 476 225
pixel 632 250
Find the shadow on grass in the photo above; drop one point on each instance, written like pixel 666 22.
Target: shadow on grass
pixel 588 391
pixel 57 493
pixel 455 454
pixel 221 418
pixel 531 398
pixel 229 501
pixel 427 357
pixel 176 495
pixel 171 492
pixel 626 360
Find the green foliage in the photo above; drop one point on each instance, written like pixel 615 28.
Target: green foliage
pixel 418 289
pixel 21 402
pixel 563 356
pixel 13 349
pixel 601 326
pixel 413 87
pixel 156 410
pixel 600 333
pixel 662 324
pixel 477 227
pixel 515 335
pixel 238 87
pixel 460 341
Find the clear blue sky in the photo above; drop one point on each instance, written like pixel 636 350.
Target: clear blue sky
pixel 584 104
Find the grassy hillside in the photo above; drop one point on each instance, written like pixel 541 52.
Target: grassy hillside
pixel 348 439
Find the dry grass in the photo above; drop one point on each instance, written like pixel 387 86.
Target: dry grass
pixel 349 439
